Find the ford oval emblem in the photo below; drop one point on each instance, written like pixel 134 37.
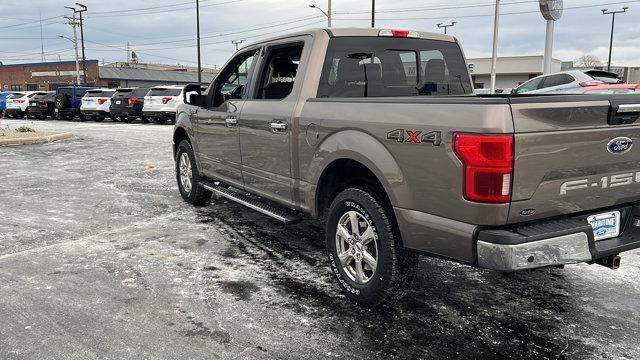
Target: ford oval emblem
pixel 620 145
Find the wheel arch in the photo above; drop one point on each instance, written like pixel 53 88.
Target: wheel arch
pixel 354 157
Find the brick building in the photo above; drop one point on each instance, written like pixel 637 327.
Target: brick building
pixel 50 75
pixel 46 76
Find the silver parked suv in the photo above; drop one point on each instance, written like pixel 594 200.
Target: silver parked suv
pixel 572 81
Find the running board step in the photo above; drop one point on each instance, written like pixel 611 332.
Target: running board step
pixel 260 205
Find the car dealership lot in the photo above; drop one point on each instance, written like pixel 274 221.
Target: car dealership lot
pixel 100 257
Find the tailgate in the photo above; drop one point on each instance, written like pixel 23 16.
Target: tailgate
pixel 574 154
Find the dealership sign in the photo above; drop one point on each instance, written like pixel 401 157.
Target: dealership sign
pixel 551 9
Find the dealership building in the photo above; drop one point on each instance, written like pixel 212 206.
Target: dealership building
pixel 47 76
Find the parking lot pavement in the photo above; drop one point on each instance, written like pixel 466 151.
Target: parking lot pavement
pixel 100 258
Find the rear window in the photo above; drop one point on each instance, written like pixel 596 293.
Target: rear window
pixel 368 67
pixel 165 92
pixel 141 92
pixel 106 93
pixel 39 96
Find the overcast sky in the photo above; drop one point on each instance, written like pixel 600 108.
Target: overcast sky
pixel 163 31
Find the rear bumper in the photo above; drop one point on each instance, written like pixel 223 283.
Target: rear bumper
pixel 94 113
pixel 554 242
pixel 16 111
pixel 169 115
pixel 126 112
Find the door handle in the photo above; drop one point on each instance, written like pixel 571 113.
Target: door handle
pixel 231 122
pixel 278 127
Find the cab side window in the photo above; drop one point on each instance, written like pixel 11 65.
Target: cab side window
pixel 233 80
pixel 279 72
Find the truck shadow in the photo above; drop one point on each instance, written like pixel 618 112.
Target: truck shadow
pixel 451 311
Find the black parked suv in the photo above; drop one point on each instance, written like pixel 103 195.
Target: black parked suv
pixel 127 103
pixel 41 106
pixel 68 100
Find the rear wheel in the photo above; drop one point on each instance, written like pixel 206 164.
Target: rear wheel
pixel 83 117
pixel 98 119
pixel 161 121
pixel 127 119
pixel 365 250
pixel 145 119
pixel 188 177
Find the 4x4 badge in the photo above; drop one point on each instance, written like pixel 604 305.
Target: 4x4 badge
pixel 415 136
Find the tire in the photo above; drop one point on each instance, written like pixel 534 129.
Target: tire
pixel 194 193
pixel 376 239
pixel 127 119
pixel 69 117
pixel 42 117
pixel 83 117
pixel 61 101
pixel 98 119
pixel 161 121
pixel 144 119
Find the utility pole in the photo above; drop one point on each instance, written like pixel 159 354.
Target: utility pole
pixel 441 25
pixel 74 23
pixel 494 57
pixel 198 39
pixel 613 24
pixel 84 59
pixel 373 13
pixel 236 43
pixel 128 53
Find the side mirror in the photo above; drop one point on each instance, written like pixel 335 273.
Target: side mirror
pixel 192 94
pixel 514 91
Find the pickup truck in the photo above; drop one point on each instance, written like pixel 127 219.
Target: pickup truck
pixel 378 133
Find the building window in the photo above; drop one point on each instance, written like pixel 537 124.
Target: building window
pixel 32 87
pixel 479 85
pixel 15 88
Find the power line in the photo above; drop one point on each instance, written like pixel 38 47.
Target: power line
pixel 156 9
pixel 490 15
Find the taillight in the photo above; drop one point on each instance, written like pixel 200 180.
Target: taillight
pixel 591 83
pixel 102 101
pixel 18 101
pixel 488 161
pixel 399 33
pixel 132 100
pixel 43 102
pixel 166 99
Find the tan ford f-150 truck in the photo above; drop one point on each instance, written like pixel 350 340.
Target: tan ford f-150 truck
pixel 378 133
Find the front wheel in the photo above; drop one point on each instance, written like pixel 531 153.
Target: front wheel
pixel 365 250
pixel 188 177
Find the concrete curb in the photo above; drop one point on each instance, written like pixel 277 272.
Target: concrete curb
pixel 37 139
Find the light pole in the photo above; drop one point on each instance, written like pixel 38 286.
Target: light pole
pixel 236 43
pixel 75 46
pixel 198 41
pixel 326 13
pixel 494 56
pixel 441 25
pixel 84 67
pixel 613 24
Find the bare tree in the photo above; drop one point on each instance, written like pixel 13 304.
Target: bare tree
pixel 589 61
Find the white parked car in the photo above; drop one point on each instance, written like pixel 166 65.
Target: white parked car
pixel 95 104
pixel 161 103
pixel 18 103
